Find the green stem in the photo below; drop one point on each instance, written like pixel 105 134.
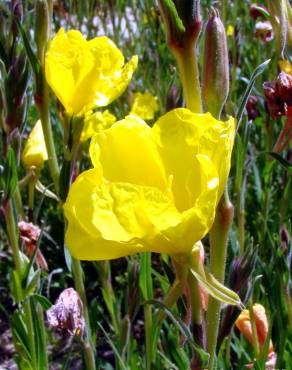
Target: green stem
pixel 176 290
pixel 255 341
pixel 43 107
pixel 189 74
pixel 18 202
pixel 218 251
pixel 148 334
pixel 104 271
pixel 13 236
pixel 79 284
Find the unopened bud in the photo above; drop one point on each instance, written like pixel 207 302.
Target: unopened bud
pixel 173 98
pixel 182 20
pixel 42 27
pixel 279 20
pixel 216 67
pixel 257 11
pixel 35 153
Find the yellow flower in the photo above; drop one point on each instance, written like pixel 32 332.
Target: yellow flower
pixel 151 189
pixel 244 325
pixel 285 66
pixel 86 74
pixel 35 152
pixel 144 105
pixel 230 30
pixel 95 123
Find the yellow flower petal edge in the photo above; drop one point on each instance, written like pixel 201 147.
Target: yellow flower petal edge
pixel 35 152
pixel 151 189
pixel 145 105
pixel 86 74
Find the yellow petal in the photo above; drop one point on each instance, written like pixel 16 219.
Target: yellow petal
pixel 109 220
pixel 198 219
pixel 127 153
pixel 181 135
pixel 285 66
pixel 86 74
pixel 34 152
pixel 145 105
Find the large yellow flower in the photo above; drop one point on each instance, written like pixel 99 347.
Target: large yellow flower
pixel 151 189
pixel 35 153
pixel 86 74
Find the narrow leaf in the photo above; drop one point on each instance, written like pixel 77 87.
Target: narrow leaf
pixel 217 290
pixel 257 72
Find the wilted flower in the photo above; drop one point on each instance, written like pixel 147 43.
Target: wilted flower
pixel 67 313
pixel 86 74
pixel 144 105
pixel 278 94
pixel 251 108
pixel 95 123
pixel 30 234
pixel 151 189
pixel 35 153
pixel 264 31
pixel 243 323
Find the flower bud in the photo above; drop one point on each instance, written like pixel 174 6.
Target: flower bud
pixel 279 20
pixel 216 68
pixel 35 153
pixel 182 20
pixel 42 26
pixel 243 323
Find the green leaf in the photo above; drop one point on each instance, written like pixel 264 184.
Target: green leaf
pixel 182 328
pixel 39 332
pixel 45 303
pixel 33 283
pixel 174 25
pixel 15 287
pixel 216 289
pixel 287 165
pixel 257 72
pixel 45 191
pixel 145 280
pixel 35 64
pixel 114 348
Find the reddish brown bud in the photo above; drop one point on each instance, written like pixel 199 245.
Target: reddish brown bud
pixel 257 11
pixel 284 87
pixel 251 107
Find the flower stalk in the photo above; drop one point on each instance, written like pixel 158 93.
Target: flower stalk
pixel 218 238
